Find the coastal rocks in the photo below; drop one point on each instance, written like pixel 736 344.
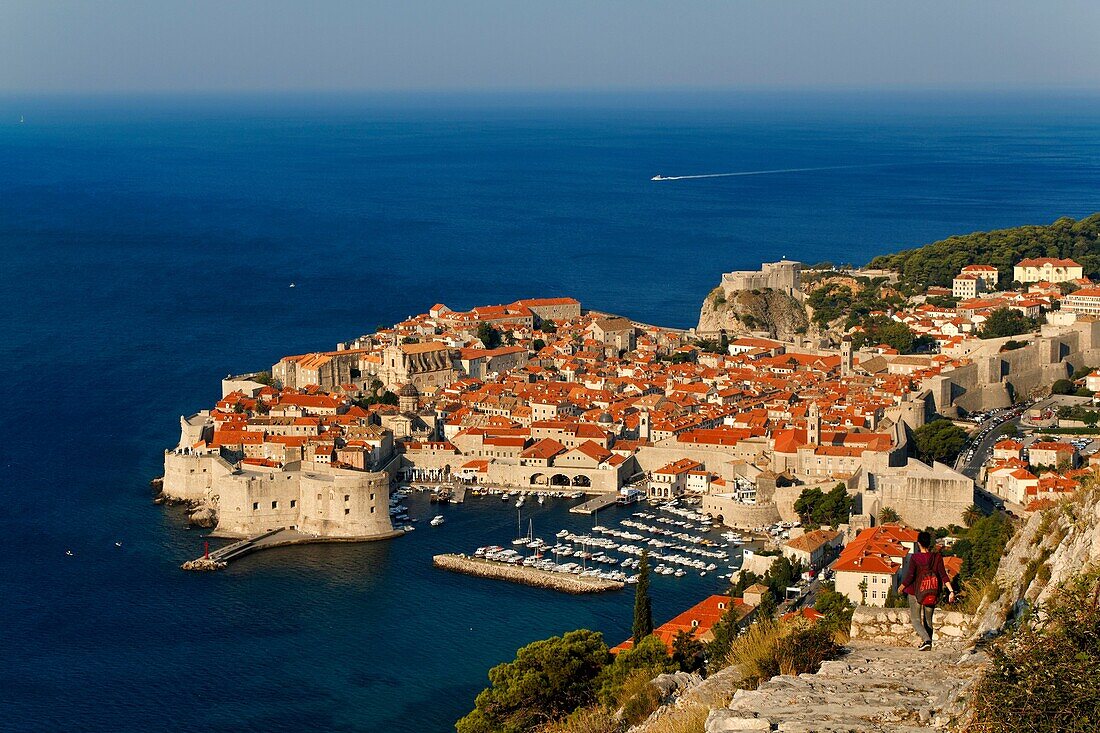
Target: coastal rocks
pixel 203 564
pixel 891 626
pixel 203 515
pixel 524 575
pixel 747 311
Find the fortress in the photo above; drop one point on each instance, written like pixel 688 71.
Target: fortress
pixel 784 276
pixel 256 495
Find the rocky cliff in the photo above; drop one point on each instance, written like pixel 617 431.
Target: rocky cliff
pixel 745 311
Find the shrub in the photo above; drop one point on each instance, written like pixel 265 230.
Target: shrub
pixel 638 697
pixel 650 657
pixel 769 648
pixel 1043 677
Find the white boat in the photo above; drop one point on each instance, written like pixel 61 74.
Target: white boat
pixel 436 520
pixel 659 177
pixel 562 533
pixel 292 285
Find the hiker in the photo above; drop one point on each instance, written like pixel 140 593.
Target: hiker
pixel 923 582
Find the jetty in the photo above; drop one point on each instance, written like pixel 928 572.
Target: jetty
pixel 564 582
pixel 595 504
pixel 280 537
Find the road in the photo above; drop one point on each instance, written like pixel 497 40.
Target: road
pixel 989 432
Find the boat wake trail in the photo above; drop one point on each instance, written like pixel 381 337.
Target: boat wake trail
pixel 764 173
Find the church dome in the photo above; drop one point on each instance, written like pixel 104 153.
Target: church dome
pixel 605 418
pixel 408 390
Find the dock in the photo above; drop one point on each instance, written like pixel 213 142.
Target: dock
pixel 280 537
pixel 595 504
pixel 563 582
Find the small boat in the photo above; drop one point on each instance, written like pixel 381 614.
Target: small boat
pixel 118 544
pixel 69 553
pixel 659 177
pixel 436 520
pixel 562 533
pixel 292 285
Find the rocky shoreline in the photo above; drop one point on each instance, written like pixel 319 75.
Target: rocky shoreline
pixel 199 513
pixel 523 575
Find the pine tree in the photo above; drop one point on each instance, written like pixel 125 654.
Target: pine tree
pixel 643 607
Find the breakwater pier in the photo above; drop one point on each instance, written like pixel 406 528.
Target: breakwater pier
pixel 595 504
pixel 564 582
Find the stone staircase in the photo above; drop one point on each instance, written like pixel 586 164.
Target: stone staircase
pixel 871 688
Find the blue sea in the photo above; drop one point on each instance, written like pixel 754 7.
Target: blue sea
pixel 148 244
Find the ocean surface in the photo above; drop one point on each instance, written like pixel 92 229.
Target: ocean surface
pixel 148 245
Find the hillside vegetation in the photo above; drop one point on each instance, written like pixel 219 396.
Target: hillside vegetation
pixel 939 262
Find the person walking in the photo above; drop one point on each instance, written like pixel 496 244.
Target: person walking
pixel 924 581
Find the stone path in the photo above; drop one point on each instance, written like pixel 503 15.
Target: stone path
pixel 871 688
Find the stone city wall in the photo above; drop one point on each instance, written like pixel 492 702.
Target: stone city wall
pixel 892 627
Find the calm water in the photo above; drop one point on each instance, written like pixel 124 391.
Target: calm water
pixel 148 245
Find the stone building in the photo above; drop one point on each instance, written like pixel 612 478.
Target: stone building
pixel 785 276
pixel 257 494
pixel 1047 269
pixel 429 364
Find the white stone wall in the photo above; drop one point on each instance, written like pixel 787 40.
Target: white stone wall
pixel 891 626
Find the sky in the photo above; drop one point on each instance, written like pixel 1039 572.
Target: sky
pixel 125 46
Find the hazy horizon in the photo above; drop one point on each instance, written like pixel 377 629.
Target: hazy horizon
pixel 437 47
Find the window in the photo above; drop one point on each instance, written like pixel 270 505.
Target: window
pixel 372 510
pixel 255 505
pixel 347 497
pixel 293 503
pixel 372 497
pixel 274 505
pixel 347 512
pixel 874 594
pixel 318 497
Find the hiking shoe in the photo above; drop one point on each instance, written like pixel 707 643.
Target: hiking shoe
pixel 926 646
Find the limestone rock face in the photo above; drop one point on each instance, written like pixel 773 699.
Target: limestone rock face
pixel 1051 547
pixel 745 311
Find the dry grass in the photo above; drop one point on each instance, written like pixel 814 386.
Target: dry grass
pixel 688 719
pixel 638 697
pixel 768 648
pixel 584 720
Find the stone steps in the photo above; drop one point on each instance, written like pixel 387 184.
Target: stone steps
pixel 871 688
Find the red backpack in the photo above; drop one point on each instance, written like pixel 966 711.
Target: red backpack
pixel 928 581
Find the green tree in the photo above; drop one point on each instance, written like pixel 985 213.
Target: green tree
pixel 538 345
pixel 982 545
pixel 836 607
pixel 939 262
pixel 643 606
pixel 1009 430
pixel 688 653
pixel 939 440
pixel 888 515
pixel 883 330
pixel 488 335
pixel 547 680
pixel 972 514
pixel 1006 322
pixel 1062 386
pixel 548 326
pixel 767 607
pixel 816 508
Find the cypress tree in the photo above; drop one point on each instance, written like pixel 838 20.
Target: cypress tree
pixel 643 608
